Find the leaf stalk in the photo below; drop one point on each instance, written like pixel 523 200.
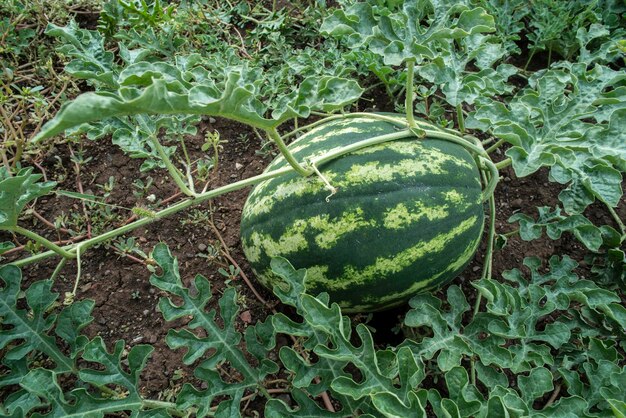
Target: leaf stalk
pixel 408 104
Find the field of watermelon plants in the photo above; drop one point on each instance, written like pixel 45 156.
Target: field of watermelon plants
pixel 262 208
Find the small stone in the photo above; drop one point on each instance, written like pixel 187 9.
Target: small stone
pixel 516 203
pixel 233 176
pixel 238 166
pixel 143 239
pixel 145 312
pixel 246 317
pixel 507 179
pixel 137 339
pixel 211 120
pixel 202 247
pixel 475 268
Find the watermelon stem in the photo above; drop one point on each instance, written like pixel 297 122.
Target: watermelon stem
pixel 406 133
pixel 494 146
pixel 278 140
pixel 408 103
pixel 487 267
pixel 466 142
pixel 71 250
pixel 40 240
pixel 492 182
pixel 617 219
pixel 330 117
pixel 459 118
pixel 174 172
pixel 503 164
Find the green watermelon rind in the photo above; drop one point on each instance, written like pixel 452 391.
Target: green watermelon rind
pixel 407 217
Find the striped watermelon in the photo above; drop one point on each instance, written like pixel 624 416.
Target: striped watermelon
pixel 407 216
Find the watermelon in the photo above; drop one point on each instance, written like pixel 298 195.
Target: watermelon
pixel 407 216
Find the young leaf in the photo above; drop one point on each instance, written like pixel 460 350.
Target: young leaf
pixel 17 191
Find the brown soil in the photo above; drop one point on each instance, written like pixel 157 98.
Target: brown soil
pixel 126 305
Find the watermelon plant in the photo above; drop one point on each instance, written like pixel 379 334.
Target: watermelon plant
pixel 373 209
pixel 438 178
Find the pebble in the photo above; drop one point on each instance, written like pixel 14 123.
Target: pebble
pixel 516 203
pixel 145 312
pixel 246 317
pixel 475 268
pixel 202 247
pixel 211 120
pixel 233 176
pixel 238 166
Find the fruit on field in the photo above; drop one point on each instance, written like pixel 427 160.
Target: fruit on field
pixel 407 216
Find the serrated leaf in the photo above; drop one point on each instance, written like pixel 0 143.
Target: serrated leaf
pixel 161 88
pixel 411 32
pixel 219 346
pixel 90 60
pixel 24 332
pixel 316 377
pixel 306 408
pixel 555 224
pixel 391 406
pixel 604 377
pixel 447 342
pixel 553 25
pixel 449 70
pixel 509 18
pixel 113 373
pixel 70 323
pixel 558 122
pixel 536 384
pixel 75 404
pixel 17 191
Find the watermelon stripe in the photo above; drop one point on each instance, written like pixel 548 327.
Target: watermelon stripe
pixel 433 162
